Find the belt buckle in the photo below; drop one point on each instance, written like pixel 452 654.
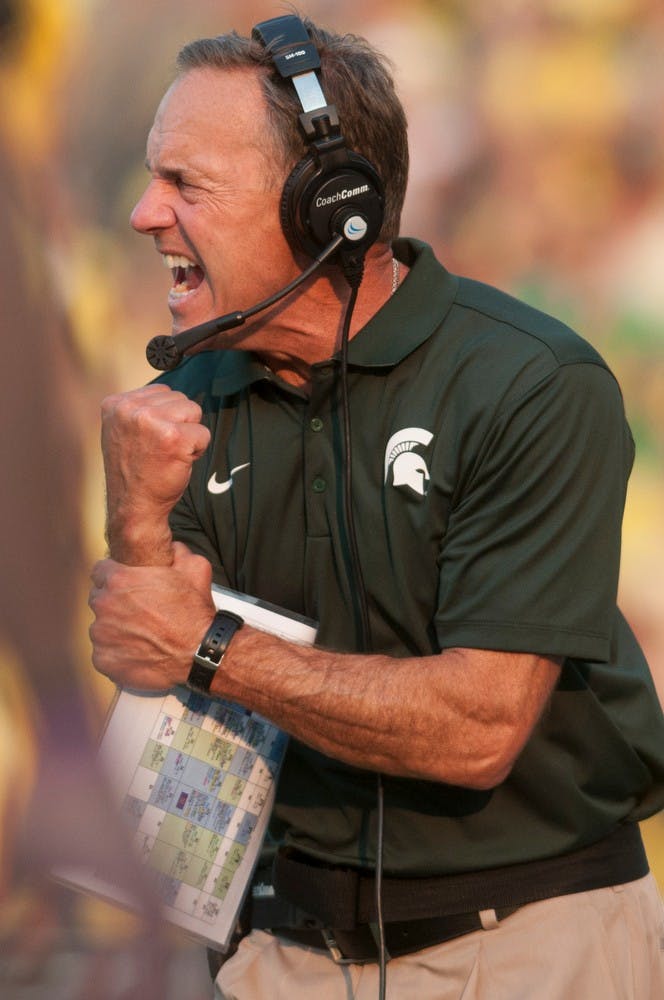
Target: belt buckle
pixel 340 959
pixel 333 947
pixel 335 950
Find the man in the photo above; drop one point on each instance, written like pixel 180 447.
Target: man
pixel 469 650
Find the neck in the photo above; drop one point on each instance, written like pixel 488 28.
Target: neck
pixel 303 331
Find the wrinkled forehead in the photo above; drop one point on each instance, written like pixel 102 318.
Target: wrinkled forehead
pixel 221 106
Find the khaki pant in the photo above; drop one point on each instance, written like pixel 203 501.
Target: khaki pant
pixel 607 944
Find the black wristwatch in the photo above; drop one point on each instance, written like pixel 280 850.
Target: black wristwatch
pixel 210 653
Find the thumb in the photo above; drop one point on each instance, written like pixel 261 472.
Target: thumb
pixel 196 567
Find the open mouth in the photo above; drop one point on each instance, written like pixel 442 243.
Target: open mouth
pixel 187 275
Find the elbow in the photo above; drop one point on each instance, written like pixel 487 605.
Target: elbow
pixel 481 774
pixel 492 765
pixel 481 760
pixel 497 745
pixel 486 776
pixel 482 770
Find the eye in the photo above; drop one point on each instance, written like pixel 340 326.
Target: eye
pixel 186 188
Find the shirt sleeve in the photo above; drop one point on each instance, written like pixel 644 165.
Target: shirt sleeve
pixel 531 556
pixel 187 528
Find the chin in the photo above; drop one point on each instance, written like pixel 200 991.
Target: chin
pixel 185 315
pixel 181 323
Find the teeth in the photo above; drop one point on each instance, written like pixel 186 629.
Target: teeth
pixel 172 260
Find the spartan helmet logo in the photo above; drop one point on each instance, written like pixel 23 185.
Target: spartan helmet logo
pixel 408 468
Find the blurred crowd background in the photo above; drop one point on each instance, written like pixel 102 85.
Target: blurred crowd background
pixel 537 149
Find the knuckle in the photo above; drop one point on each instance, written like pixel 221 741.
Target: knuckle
pixel 200 563
pixel 143 417
pixel 171 436
pixel 109 404
pixel 99 663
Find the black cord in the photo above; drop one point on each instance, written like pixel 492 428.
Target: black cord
pixel 356 568
pixel 324 255
pixel 380 836
pixel 354 276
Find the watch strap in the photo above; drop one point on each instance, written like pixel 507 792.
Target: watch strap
pixel 210 653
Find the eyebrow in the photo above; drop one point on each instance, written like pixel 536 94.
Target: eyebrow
pixel 167 172
pixel 176 173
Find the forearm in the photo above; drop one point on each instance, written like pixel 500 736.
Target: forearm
pixel 138 537
pixel 460 716
pixel 416 717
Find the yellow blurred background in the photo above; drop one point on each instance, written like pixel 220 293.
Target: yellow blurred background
pixel 537 150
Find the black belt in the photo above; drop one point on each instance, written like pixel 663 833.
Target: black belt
pixel 344 898
pixel 401 938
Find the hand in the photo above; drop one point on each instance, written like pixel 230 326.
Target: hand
pixel 150 440
pixel 149 620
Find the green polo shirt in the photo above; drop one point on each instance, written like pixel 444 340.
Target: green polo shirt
pixel 490 456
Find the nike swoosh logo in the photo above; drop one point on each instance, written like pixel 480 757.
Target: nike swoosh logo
pixel 215 487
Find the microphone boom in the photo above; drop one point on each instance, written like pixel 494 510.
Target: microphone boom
pixel 165 351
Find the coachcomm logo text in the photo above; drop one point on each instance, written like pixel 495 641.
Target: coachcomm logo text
pixel 341 195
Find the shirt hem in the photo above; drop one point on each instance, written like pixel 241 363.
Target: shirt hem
pixel 538 639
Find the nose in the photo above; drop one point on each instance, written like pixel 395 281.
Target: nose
pixel 153 211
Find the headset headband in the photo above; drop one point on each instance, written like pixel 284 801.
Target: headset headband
pixel 332 190
pixel 296 58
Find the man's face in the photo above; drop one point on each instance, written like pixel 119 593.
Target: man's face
pixel 212 204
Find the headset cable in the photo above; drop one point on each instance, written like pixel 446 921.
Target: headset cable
pixel 354 272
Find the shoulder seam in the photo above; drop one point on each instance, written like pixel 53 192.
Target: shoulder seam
pixel 532 333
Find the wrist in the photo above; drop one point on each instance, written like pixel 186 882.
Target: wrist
pixel 210 653
pixel 139 539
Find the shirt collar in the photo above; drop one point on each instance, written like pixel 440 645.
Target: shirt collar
pixel 235 370
pixel 400 326
pixel 411 315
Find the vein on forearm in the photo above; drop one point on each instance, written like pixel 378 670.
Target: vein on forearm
pixel 408 717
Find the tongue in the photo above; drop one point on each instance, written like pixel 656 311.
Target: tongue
pixel 189 276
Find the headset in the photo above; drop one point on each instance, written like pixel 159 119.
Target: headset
pixel 332 190
pixel 332 204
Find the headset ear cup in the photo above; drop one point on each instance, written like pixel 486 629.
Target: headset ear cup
pixel 315 203
pixel 289 208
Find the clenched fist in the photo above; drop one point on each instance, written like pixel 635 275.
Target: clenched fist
pixel 150 439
